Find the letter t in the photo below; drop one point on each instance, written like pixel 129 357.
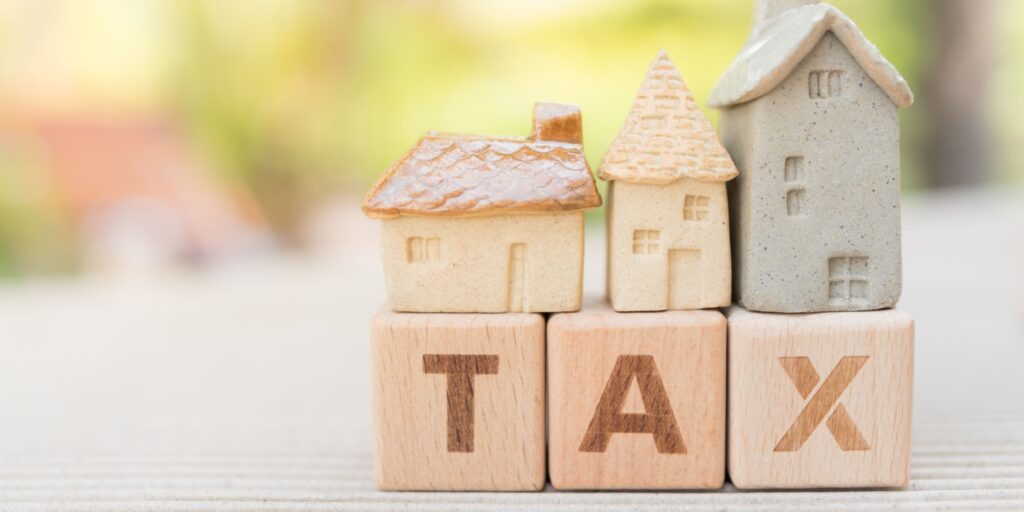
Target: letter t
pixel 460 370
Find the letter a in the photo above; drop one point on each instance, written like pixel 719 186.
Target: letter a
pixel 657 419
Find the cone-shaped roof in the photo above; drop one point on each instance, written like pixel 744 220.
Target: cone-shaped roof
pixel 666 137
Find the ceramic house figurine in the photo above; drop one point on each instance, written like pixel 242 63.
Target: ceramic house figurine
pixel 478 224
pixel 668 221
pixel 810 116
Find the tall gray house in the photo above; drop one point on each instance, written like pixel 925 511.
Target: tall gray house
pixel 810 116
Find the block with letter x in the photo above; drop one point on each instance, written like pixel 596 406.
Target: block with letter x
pixel 459 401
pixel 820 400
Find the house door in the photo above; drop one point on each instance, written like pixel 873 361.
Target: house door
pixel 516 277
pixel 684 286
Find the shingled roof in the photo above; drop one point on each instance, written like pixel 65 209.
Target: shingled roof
pixel 666 137
pixel 456 175
pixel 778 46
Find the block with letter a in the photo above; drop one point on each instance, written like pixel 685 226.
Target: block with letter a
pixel 459 401
pixel 820 400
pixel 636 400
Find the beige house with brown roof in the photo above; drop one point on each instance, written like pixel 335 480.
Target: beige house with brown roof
pixel 478 224
pixel 668 220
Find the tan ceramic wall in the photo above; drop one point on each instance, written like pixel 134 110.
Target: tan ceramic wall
pixel 472 271
pixel 640 282
pixel 850 147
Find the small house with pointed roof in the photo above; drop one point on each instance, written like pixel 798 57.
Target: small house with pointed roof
pixel 810 116
pixel 479 224
pixel 668 222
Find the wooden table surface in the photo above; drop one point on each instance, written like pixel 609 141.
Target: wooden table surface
pixel 247 388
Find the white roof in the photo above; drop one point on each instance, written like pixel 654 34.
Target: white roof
pixel 778 46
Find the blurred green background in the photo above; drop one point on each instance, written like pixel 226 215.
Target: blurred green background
pixel 186 132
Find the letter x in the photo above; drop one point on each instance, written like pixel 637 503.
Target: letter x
pixel 805 378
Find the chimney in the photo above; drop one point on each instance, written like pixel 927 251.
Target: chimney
pixel 557 122
pixel 765 9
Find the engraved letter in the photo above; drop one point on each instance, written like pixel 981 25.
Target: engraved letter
pixel 801 372
pixel 658 418
pixel 460 370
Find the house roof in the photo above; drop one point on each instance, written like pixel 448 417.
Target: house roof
pixel 776 48
pixel 666 137
pixel 464 175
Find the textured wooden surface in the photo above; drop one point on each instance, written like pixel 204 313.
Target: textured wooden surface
pixel 820 400
pixel 249 389
pixel 459 401
pixel 636 400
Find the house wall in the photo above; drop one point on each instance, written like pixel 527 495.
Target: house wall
pixel 639 282
pixel 470 269
pixel 849 145
pixel 737 137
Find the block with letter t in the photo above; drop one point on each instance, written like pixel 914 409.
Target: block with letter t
pixel 820 400
pixel 459 401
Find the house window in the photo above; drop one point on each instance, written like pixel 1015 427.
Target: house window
pixel 695 207
pixel 794 169
pixel 419 250
pixel 796 186
pixel 825 84
pixel 795 202
pixel 847 279
pixel 646 241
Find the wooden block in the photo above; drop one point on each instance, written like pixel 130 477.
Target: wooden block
pixel 820 400
pixel 459 401
pixel 636 400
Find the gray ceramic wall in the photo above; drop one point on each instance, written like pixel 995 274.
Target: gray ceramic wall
pixel 815 209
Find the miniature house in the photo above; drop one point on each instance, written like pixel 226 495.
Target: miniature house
pixel 668 217
pixel 810 116
pixel 488 224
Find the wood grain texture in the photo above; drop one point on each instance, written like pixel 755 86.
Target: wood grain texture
pixel 459 401
pixel 118 398
pixel 820 400
pixel 636 400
